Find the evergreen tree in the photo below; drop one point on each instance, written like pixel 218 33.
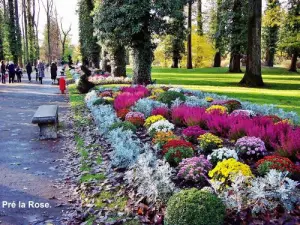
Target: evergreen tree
pixel 89 47
pixel 290 38
pixel 232 30
pixel 133 23
pixel 270 30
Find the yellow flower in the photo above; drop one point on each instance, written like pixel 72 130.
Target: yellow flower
pixel 227 170
pixel 153 119
pixel 208 142
pixel 163 137
pixel 157 91
pixel 209 99
pixel 214 108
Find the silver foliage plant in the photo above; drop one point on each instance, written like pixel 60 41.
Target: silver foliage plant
pixel 261 194
pixel 126 147
pixel 146 106
pixel 150 177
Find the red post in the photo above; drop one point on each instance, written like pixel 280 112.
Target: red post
pixel 62 85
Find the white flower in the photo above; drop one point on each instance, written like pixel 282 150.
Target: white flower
pixel 161 125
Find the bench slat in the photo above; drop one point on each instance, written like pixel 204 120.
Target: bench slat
pixel 46 114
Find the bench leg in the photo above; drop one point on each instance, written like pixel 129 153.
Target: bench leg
pixel 48 131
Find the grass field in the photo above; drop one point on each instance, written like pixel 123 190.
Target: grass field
pixel 282 87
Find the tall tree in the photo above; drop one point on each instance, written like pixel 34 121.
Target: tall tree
pixel 253 76
pixel 25 30
pixel 189 63
pixel 12 31
pixel 2 35
pixel 177 38
pixel 18 33
pixel 199 18
pixel 290 38
pixel 48 7
pixel 32 56
pixel 90 49
pixel 270 30
pixel 215 27
pixel 133 23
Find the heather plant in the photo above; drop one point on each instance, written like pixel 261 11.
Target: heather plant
pixel 195 116
pixel 136 118
pixel 150 178
pixel 194 169
pixel 169 96
pixel 221 154
pixel 192 133
pixel 194 207
pixel 175 151
pixel 163 111
pixel 161 125
pixel 153 119
pixel 208 142
pixel 219 124
pixel 273 190
pixel 126 100
pixel 226 171
pixel 124 125
pixel 136 89
pixel 177 114
pixel 146 106
pixel 276 162
pixel 289 143
pixel 161 138
pixel 250 147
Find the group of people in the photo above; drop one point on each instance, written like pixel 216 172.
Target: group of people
pixel 12 71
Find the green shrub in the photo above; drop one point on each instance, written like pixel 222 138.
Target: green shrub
pixel 102 101
pixel 194 207
pixel 169 96
pixel 124 125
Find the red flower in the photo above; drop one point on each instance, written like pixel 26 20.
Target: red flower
pixel 175 144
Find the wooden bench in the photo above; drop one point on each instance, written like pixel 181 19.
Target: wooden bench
pixel 47 118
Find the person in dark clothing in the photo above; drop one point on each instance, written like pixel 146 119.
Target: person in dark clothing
pixel 36 73
pixel 11 72
pixel 53 72
pixel 19 73
pixel 29 71
pixel 3 70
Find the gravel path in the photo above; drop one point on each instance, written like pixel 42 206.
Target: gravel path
pixel 29 168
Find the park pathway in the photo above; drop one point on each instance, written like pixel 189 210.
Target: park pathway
pixel 29 168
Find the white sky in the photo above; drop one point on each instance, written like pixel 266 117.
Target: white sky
pixel 66 9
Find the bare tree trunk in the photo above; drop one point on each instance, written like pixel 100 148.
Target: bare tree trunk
pixel 293 67
pixel 189 38
pixel 64 38
pixel 253 77
pixel 48 9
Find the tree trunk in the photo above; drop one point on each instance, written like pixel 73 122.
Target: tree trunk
pixel 217 59
pixel 189 38
pixel 104 60
pixel 142 60
pixel 199 18
pixel 12 31
pixel 26 31
pixel 293 67
pixel 118 61
pixel 235 63
pixel 253 77
pixel 18 34
pixel 175 62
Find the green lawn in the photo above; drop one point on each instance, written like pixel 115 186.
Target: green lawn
pixel 282 87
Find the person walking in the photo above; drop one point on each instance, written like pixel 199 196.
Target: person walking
pixel 53 72
pixel 3 71
pixel 29 71
pixel 11 72
pixel 19 73
pixel 41 69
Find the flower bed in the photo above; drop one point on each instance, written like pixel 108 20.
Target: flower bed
pixel 193 139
